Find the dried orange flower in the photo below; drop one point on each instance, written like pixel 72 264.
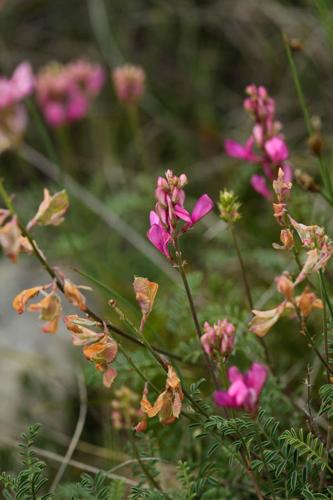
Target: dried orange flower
pixel 10 239
pixel 167 406
pixel 287 239
pixel 99 348
pixel 50 311
pixel 145 293
pixel 49 306
pixel 284 285
pixel 308 301
pixel 52 210
pixel 23 298
pixel 263 321
pixel 73 294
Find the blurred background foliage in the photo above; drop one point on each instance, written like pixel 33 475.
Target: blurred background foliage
pixel 198 57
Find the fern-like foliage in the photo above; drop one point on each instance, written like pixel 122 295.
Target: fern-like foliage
pixel 326 394
pixel 31 480
pixel 308 446
pixel 92 488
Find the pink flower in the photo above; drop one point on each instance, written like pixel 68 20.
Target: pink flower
pixel 129 83
pixel 218 339
pixel 236 150
pixel 13 116
pixel 272 149
pixel 276 149
pixel 65 92
pixel 244 390
pixel 259 184
pixel 170 211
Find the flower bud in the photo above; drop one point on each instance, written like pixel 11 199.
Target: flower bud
pixel 284 285
pixel 229 206
pixel 129 83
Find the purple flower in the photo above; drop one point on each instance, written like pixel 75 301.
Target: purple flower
pixel 244 390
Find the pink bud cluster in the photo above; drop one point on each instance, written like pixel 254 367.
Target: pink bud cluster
pixel 170 212
pixel 13 116
pixel 271 150
pixel 129 83
pixel 218 339
pixel 244 390
pixel 65 92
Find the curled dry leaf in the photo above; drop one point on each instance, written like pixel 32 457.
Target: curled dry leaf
pixel 145 293
pixel 52 210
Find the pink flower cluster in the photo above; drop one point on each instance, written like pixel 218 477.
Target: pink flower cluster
pixel 129 83
pixel 218 339
pixel 169 212
pixel 65 92
pixel 13 116
pixel 272 151
pixel 244 390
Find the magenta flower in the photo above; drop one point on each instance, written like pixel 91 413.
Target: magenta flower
pixel 265 137
pixel 245 389
pixel 65 92
pixel 170 218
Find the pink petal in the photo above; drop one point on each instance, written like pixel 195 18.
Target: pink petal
pixel 77 107
pixel 109 376
pixel 202 207
pixel 222 398
pixel 288 172
pixel 160 238
pixel 154 218
pixel 239 392
pixel 236 150
pixel 54 114
pixel 258 182
pixel 256 377
pixel 234 374
pixel 276 149
pixel 23 80
pixel 182 214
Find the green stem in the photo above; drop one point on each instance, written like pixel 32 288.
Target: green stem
pixel 42 130
pixel 182 273
pixel 134 119
pixel 325 292
pixel 302 101
pixel 242 266
pixel 144 469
